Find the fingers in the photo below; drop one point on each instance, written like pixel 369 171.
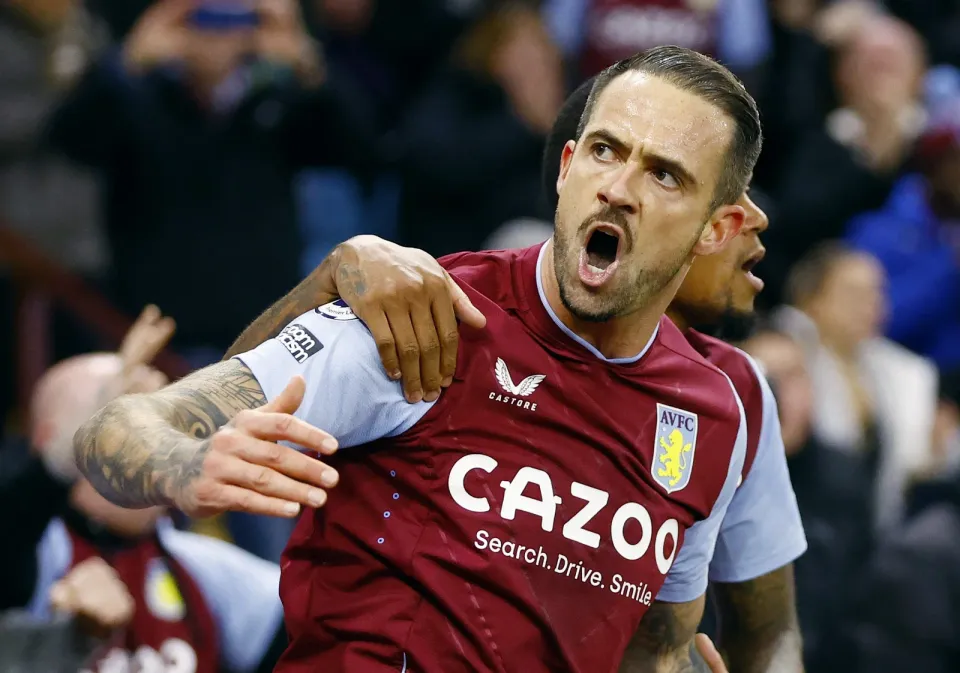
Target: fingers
pixel 709 652
pixel 449 338
pixel 150 333
pixel 270 483
pixel 277 427
pixel 238 499
pixel 465 310
pixel 289 400
pixel 408 350
pixel 94 591
pixel 283 459
pixel 169 11
pixel 379 328
pixel 428 342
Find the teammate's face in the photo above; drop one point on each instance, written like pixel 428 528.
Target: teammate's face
pixel 635 195
pixel 723 284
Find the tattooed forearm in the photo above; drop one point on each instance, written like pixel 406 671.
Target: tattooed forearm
pixel 663 642
pixel 315 290
pixel 140 450
pixel 759 631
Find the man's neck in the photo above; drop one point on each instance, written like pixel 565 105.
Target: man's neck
pixel 678 318
pixel 623 337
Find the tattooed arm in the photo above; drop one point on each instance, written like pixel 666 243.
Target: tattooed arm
pixel 664 641
pixel 171 447
pixel 759 629
pixel 317 289
pixel 403 296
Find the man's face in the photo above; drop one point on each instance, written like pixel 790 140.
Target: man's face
pixel 723 285
pixel 851 304
pixel 635 194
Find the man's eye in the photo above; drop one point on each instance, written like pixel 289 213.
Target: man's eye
pixel 666 178
pixel 602 152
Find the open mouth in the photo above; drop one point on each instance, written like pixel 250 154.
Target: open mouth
pixel 600 255
pixel 748 266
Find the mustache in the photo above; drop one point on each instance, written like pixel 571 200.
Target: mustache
pixel 612 216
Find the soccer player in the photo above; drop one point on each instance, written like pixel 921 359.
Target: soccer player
pixel 529 517
pixel 761 534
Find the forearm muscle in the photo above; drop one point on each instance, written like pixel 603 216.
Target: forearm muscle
pixel 664 643
pixel 139 450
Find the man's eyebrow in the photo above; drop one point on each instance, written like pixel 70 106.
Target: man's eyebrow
pixel 674 166
pixel 606 138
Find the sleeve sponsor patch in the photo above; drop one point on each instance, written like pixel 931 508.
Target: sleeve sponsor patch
pixel 337 310
pixel 299 342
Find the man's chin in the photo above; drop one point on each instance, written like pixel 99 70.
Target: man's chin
pixel 731 325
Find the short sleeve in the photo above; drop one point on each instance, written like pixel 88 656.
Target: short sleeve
pixel 348 393
pixel 688 576
pixel 761 530
pixel 241 590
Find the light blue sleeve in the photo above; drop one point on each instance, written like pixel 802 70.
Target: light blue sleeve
pixel 348 393
pixel 241 590
pixel 688 576
pixel 762 530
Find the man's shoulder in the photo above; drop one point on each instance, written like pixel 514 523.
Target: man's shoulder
pixel 491 273
pixel 741 369
pixel 704 384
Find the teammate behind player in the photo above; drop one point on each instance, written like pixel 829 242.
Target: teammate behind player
pixel 435 554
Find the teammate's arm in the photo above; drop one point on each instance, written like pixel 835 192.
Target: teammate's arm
pixel 403 295
pixel 760 630
pixel 752 567
pixel 206 444
pixel 665 641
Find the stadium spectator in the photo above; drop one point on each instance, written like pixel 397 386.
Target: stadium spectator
pixel 197 126
pixel 848 164
pixel 43 47
pixel 916 234
pixel 474 139
pixel 834 492
pixel 197 601
pixel 872 397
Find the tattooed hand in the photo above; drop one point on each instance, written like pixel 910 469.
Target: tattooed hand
pixel 244 469
pixel 205 445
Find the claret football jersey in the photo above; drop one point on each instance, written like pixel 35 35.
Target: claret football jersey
pixel 527 519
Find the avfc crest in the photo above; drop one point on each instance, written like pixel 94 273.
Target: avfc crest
pixel 674 447
pixel 162 594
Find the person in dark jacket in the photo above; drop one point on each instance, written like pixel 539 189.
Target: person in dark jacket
pixel 197 127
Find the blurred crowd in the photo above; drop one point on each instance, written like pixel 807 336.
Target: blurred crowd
pixel 204 157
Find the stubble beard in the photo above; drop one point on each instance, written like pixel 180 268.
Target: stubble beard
pixel 621 301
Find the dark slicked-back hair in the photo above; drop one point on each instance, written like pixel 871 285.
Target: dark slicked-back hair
pixel 690 71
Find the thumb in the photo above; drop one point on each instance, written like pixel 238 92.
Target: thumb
pixel 709 652
pixel 288 401
pixel 463 308
pixel 60 597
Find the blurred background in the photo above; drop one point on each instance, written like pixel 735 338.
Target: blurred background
pixel 204 159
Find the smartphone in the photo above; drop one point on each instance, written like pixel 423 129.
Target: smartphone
pixel 224 16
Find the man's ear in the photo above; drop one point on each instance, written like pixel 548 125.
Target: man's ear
pixel 566 158
pixel 724 225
